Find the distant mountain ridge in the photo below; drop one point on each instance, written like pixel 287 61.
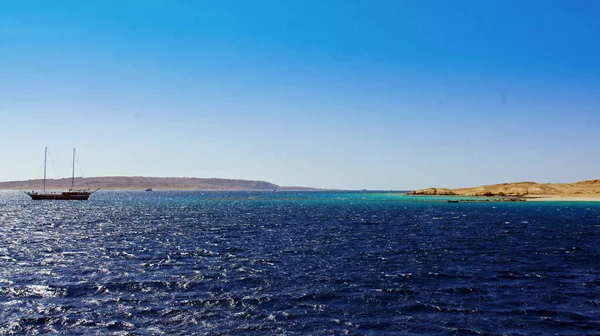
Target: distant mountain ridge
pixel 142 182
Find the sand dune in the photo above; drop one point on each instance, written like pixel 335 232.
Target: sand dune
pixel 581 190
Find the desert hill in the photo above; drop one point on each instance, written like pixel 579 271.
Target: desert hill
pixel 141 183
pixel 520 189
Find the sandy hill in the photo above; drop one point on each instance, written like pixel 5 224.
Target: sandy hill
pixel 583 188
pixel 141 183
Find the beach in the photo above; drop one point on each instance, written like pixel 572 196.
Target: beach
pixel 553 198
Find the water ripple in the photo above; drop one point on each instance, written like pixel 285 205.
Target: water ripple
pixel 256 263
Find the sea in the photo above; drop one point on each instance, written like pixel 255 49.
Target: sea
pixel 297 263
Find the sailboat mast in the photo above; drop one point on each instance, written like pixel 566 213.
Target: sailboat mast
pixel 45 154
pixel 73 171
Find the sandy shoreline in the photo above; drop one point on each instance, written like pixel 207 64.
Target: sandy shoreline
pixel 563 198
pixel 582 191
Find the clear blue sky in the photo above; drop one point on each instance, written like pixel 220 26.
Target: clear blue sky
pixel 333 94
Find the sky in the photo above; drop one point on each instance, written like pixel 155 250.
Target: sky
pixel 347 94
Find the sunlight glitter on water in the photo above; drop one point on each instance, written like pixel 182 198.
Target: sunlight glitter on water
pixel 295 263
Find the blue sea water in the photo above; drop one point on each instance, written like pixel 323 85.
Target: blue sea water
pixel 297 263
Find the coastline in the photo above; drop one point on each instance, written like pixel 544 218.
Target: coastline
pixel 553 198
pixel 582 191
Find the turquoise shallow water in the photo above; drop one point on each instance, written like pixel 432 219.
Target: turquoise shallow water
pixel 296 263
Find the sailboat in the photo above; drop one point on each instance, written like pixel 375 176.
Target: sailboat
pixel 71 194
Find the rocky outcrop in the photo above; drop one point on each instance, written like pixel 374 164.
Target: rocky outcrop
pixel 510 189
pixel 432 191
pixel 520 189
pixel 589 182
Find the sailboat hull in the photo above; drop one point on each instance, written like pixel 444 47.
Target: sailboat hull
pixel 65 196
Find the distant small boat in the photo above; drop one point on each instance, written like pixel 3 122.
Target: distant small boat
pixel 149 189
pixel 71 194
pixel 452 201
